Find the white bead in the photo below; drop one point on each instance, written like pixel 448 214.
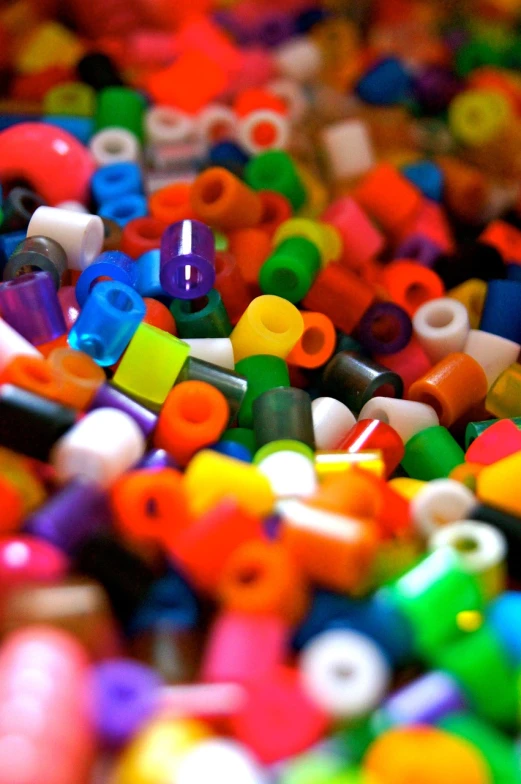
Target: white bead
pixel 332 421
pixel 252 121
pixel 72 206
pixel 299 58
pixel 344 672
pixel 166 125
pixel 217 122
pixel 329 525
pixel 81 236
pixel 405 416
pixel 218 351
pixel 441 327
pixel 114 145
pixel 348 148
pixel 293 96
pixel 100 447
pixel 440 502
pixel 481 547
pixel 220 761
pixel 290 474
pixel 12 344
pixel 494 353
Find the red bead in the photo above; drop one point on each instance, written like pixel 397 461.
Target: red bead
pixel 410 363
pixel 231 285
pixel 374 434
pixel 498 441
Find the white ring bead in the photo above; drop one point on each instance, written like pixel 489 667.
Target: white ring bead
pixel 332 421
pixel 438 503
pixel 12 345
pixel 348 147
pixel 293 96
pixel 218 351
pixel 114 145
pixel 247 127
pixel 494 353
pixel 405 416
pixel 441 327
pixel 488 545
pixel 100 447
pixel 73 206
pixel 344 672
pixel 219 760
pixel 299 58
pixel 81 236
pixel 214 116
pixel 166 125
pixel 290 474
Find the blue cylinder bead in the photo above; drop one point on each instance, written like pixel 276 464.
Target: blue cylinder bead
pixel 116 180
pixel 113 264
pixel 502 310
pixel 124 209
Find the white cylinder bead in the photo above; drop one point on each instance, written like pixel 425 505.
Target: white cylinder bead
pixel 344 672
pixel 100 447
pixel 218 351
pixel 12 344
pixel 290 474
pixel 481 547
pixel 332 421
pixel 405 416
pixel 217 122
pixel 81 236
pixel 166 125
pixel 73 206
pixel 441 327
pixel 348 148
pixel 222 761
pixel 299 58
pixel 114 145
pixel 263 130
pixel 293 96
pixel 494 353
pixel 438 503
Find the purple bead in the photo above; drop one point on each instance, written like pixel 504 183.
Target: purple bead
pixel 420 248
pixel 435 88
pixel 276 28
pixel 112 264
pixel 108 396
pixel 125 696
pixel 272 526
pixel 424 701
pixel 31 306
pixel 71 517
pixel 157 458
pixel 187 259
pixel 385 328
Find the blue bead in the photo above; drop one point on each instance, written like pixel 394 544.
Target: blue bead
pixel 124 209
pixel 428 178
pixel 504 614
pixel 119 179
pixel 110 316
pixel 309 17
pixel 148 267
pixel 514 272
pixel 385 84
pixel 502 310
pixel 230 156
pixel 170 602
pixel 8 120
pixel 82 128
pixel 8 244
pixel 113 264
pixel 233 449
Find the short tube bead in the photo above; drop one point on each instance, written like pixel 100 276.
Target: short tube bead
pixel 187 259
pixel 404 416
pixel 283 413
pixel 290 270
pixel 119 179
pixel 41 253
pixel 231 384
pixel 205 317
pixel 348 148
pixel 439 502
pixel 317 343
pixel 29 303
pixel 385 328
pixel 262 372
pixel 112 265
pixel 80 235
pixel 218 351
pixel 77 375
pixel 501 312
pixel 269 325
pixel 141 235
pixel 432 454
pixel 114 145
pixel 354 380
pixel 441 326
pixel 220 199
pixel 86 452
pixel 494 353
pixel 290 473
pixel 332 421
pixel 275 171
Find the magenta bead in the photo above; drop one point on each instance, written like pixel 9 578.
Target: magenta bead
pixel 26 559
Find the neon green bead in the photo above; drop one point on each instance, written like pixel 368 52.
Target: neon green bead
pixel 325 237
pixel 284 445
pixel 73 98
pixel 150 365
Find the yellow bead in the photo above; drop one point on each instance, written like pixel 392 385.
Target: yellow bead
pixel 498 484
pixel 49 46
pixel 70 98
pixel 478 117
pixel 317 195
pixel 325 237
pixel 211 477
pixel 153 757
pixel 504 396
pixel 472 294
pixel 406 487
pixel 333 462
pixel 269 325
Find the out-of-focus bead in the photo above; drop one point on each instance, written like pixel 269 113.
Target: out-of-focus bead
pixel 348 149
pixel 494 353
pixel 29 303
pixel 438 503
pixel 114 145
pixel 501 314
pixel 472 294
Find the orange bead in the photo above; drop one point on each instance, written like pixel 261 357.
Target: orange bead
pixel 11 506
pixel 466 189
pixel 61 342
pixel 388 197
pixel 505 238
pixel 190 83
pixel 159 316
pixel 77 375
pixel 261 577
pixel 451 387
pixel 220 199
pixel 251 248
pixel 33 374
pixel 341 294
pixel 410 285
pixel 425 755
pixel 255 98
pixel 276 209
pixel 172 203
pixel 317 343
pixel 194 415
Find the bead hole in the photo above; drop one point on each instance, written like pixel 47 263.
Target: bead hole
pixel 212 191
pixel 274 322
pixel 284 279
pixel 437 319
pixel 466 544
pixel 74 365
pixel 386 390
pixel 249 575
pixel 39 372
pixel 343 672
pixel 113 146
pixel 264 134
pixel 150 232
pixel 188 277
pixel 416 294
pixel 312 340
pixel 120 300
pixel 385 328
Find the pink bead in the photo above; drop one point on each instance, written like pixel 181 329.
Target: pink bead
pixel 258 67
pixel 361 239
pixel 208 701
pixel 410 363
pixel 53 162
pixel 430 222
pixel 69 305
pixel 241 647
pixel 152 47
pixel 498 441
pixel 25 559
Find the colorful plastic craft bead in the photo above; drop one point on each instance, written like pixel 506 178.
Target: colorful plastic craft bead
pixel 432 454
pixel 283 413
pixel 222 200
pixel 110 265
pixel 80 235
pixel 204 317
pixel 120 107
pixel 371 434
pixel 269 325
pixel 30 305
pixel 187 260
pixel 441 327
pixel 231 384
pixel 275 171
pixel 354 380
pixel 39 253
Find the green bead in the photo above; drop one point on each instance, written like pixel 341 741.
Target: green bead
pixel 432 454
pixel 291 269
pixel 284 445
pixel 479 663
pixel 209 321
pixel 475 54
pixel 121 107
pixel 241 435
pixel 275 171
pixel 73 98
pixel 312 768
pixel 498 749
pixel 475 429
pixel 221 240
pixel 356 738
pixel 432 595
pixel 263 372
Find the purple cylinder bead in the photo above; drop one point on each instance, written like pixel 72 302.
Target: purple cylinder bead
pixel 420 248
pixel 435 88
pixel 424 701
pixel 157 458
pixel 187 259
pixel 385 328
pixel 31 306
pixel 276 28
pixel 108 396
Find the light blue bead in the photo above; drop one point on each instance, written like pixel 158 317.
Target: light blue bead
pixel 504 615
pixel 112 264
pixel 124 209
pixel 82 128
pixel 107 322
pixel 148 268
pixel 119 179
pixel 428 178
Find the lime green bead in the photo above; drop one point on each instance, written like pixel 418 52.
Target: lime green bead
pixel 73 98
pixel 121 107
pixel 284 445
pixel 221 240
pixel 432 454
pixel 313 768
pixel 275 171
pixel 241 435
pixel 151 365
pixel 209 321
pixel 263 372
pixel 291 269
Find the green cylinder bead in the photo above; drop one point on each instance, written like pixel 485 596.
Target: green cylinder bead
pixel 241 435
pixel 475 429
pixel 201 318
pixel 263 372
pixel 432 454
pixel 121 107
pixel 291 269
pixel 275 171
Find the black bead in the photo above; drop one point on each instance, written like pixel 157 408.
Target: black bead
pixel 472 260
pixel 354 380
pixel 283 413
pixel 98 70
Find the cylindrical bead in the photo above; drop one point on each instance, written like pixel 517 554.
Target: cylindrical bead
pixel 332 421
pixel 283 414
pixel 187 259
pixel 29 303
pixel 354 380
pixel 269 325
pixel 41 253
pixel 81 236
pixel 441 326
pixel 494 353
pixel 221 199
pixel 404 416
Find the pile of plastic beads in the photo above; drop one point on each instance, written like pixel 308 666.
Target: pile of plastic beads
pixel 260 398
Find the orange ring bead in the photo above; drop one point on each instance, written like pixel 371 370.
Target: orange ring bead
pixel 220 199
pixel 194 415
pixel 317 343
pixel 141 235
pixel 33 374
pixel 411 285
pixel 159 316
pixel 172 203
pixel 77 375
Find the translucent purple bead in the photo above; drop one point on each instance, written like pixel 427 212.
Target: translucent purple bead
pixel 31 306
pixel 420 248
pixel 108 396
pixel 385 328
pixel 424 701
pixel 187 259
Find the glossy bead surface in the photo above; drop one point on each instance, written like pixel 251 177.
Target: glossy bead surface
pixel 370 434
pixel 18 208
pixel 108 396
pixel 494 353
pixel 275 171
pixel 290 270
pixel 79 234
pixel 220 199
pixel 332 421
pixel 28 559
pixel 439 502
pixel 30 305
pixel 41 253
pixel 231 384
pixel 263 372
pixel 111 265
pixel 425 700
pixel 441 327
pixel 432 454
pixel 187 260
pixel 404 416
pixel 501 314
pixel 354 380
pixel 385 328
pixel 283 413
pixel 269 325
pixel 205 317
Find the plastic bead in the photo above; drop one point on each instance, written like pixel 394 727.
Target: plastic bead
pixel 270 325
pixel 111 265
pixel 26 559
pixel 216 351
pixel 107 396
pixel 438 503
pixel 348 149
pixel 234 759
pixel 141 235
pixel 205 317
pixel 432 454
pixel 290 270
pixel 290 473
pixel 275 171
pixel 114 145
pixel 354 380
pixel 406 417
pixel 231 285
pixel 500 439
pixel 317 343
pixel 425 700
pixel 409 364
pixel 115 181
pixel 18 209
pixel 410 285
pixel 121 107
pixel 187 260
pixel 370 434
pixel 222 200
pixel 508 525
pixel 38 253
pixel 80 235
pixel 263 130
pixel 501 312
pixel 332 421
pixel 385 328
pixel 283 413
pixel 231 384
pixel 347 296
pixel 441 326
pixel 30 305
pixel 72 98
pixel 502 399
pixel 494 353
